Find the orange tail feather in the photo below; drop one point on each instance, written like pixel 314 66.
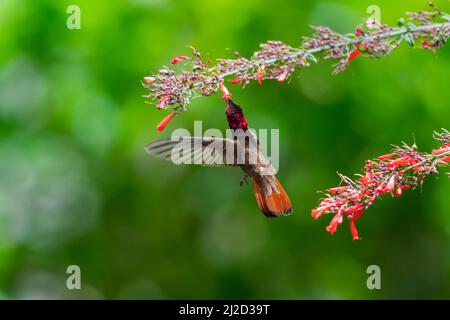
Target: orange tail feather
pixel 274 204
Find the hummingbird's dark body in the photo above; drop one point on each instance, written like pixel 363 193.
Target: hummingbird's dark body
pixel 245 153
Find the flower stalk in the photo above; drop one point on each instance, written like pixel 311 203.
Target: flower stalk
pixel 278 61
pixel 404 168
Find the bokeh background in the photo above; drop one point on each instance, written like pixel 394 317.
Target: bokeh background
pixel 76 186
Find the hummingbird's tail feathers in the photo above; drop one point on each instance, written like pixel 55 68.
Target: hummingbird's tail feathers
pixel 271 197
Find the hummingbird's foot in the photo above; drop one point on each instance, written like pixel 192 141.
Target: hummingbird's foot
pixel 244 180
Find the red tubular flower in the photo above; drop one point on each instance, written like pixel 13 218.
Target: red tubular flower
pixel 282 77
pixel 178 59
pixel 356 215
pixel 354 231
pixel 235 81
pixel 441 150
pixel 365 180
pixel 337 190
pixel 391 185
pixel 359 32
pixel 386 156
pixel 337 220
pixel 355 208
pixel 426 44
pixel 398 193
pixel 354 54
pixel 381 188
pixel 399 162
pixel 164 122
pixel 316 213
pixel 225 93
pixel 341 203
pixel 445 159
pixel 259 77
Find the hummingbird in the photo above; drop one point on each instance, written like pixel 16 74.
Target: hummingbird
pixel 241 150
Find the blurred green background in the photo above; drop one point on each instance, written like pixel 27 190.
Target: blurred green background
pixel 76 186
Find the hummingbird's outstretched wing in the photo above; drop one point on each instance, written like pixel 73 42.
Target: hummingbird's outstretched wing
pixel 206 151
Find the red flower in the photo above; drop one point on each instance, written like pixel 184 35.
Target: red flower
pixel 445 159
pixel 353 55
pixel 355 208
pixel 259 77
pixel 337 190
pixel 398 193
pixel 365 180
pixel 354 231
pixel 316 213
pixel 441 150
pixel 399 162
pixel 235 81
pixel 359 32
pixel 178 59
pixel 164 122
pixel 427 44
pixel 282 77
pixel 225 93
pixel 386 156
pixel 390 185
pixel 337 220
pixel 381 188
pixel 357 214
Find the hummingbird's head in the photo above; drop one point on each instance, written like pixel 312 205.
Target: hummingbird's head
pixel 235 116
